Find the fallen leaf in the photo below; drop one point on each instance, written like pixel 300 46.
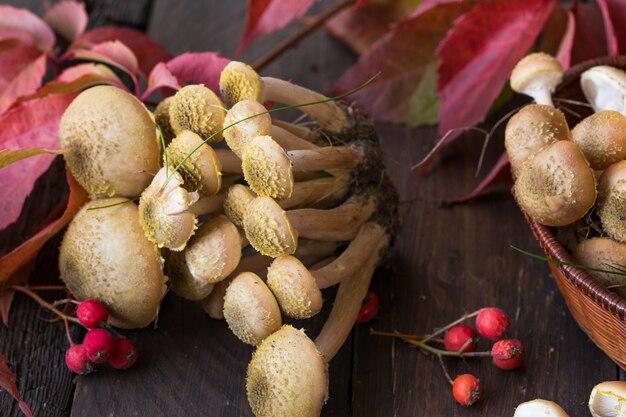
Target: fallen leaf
pixel 554 30
pixel 499 173
pixel 6 301
pixel 11 156
pixel 479 53
pixel 22 24
pixel 589 36
pixel 30 124
pixel 68 18
pixel 114 53
pixel 266 16
pixel 609 29
pixel 564 53
pixel 21 72
pixel 617 13
pixel 198 68
pixel 160 77
pixel 405 91
pixel 8 383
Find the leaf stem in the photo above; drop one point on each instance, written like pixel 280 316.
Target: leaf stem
pixel 42 302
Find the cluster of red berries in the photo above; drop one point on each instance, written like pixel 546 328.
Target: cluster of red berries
pixel 99 345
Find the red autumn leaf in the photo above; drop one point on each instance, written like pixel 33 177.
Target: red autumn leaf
pixel 148 52
pixel 589 35
pixel 499 173
pixel 198 68
pixel 617 12
pixel 6 300
pixel 22 24
pixel 266 16
pixel 30 124
pixel 160 77
pixel 479 53
pixel 19 257
pixel 8 383
pixel 68 18
pixel 21 71
pixel 405 91
pixel 114 53
pixel 609 29
pixel 564 53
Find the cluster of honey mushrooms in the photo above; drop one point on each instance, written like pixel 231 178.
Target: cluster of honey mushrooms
pixel 574 177
pixel 252 230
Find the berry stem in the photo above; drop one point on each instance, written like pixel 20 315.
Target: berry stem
pixel 67 331
pixel 396 334
pixel 64 301
pixel 422 344
pixel 43 302
pixel 454 323
pixel 47 287
pixel 445 369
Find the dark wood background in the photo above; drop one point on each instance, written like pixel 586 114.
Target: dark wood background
pixel 447 261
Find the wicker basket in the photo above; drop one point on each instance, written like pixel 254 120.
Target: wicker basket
pixel 599 312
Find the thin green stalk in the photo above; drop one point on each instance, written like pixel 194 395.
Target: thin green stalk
pixel 114 204
pixel 618 269
pixel 164 152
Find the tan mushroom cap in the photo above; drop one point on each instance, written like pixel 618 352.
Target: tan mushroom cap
pixel 268 228
pixel 604 87
pixel 209 257
pixel 163 211
pixel 537 75
pixel 94 132
pixel 294 287
pixel 105 256
pixel 267 168
pixel 556 186
pixel 602 253
pixel 611 206
pixel 531 129
pixel 239 135
pixel 250 309
pixel 162 118
pixel 197 108
pixel 602 138
pixel 608 399
pixel 201 170
pixel 537 408
pixel 236 203
pixel 287 376
pixel 238 82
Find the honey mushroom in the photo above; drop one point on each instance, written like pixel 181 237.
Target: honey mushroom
pixel 537 75
pixel 603 253
pixel 197 108
pixel 608 399
pixel 604 88
pixel 274 232
pixel 162 119
pixel 602 138
pixel 539 407
pixel 611 204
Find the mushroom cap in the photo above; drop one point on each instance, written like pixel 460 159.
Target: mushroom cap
pixel 105 256
pixel 197 108
pixel 604 87
pixel 213 305
pixel 236 203
pixel 268 228
pixel 601 253
pixel 267 168
pixel 602 138
pixel 294 287
pixel 608 399
pixel 536 408
pixel 531 129
pixel 287 376
pixel 163 211
pixel 109 142
pixel 210 256
pixel 162 118
pixel 238 136
pixel 611 206
pixel 201 171
pixel 536 71
pixel 556 186
pixel 239 81
pixel 250 309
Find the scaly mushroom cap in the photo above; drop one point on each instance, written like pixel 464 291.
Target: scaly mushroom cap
pixel 531 129
pixel 537 75
pixel 536 408
pixel 268 228
pixel 267 168
pixel 209 257
pixel 611 205
pixel 105 256
pixel 197 108
pixel 287 376
pixel 604 87
pixel 163 211
pixel 238 82
pixel 238 136
pixel 294 287
pixel 250 309
pixel 162 118
pixel 556 186
pixel 601 253
pixel 201 171
pixel 109 142
pixel 608 399
pixel 602 138
pixel 236 203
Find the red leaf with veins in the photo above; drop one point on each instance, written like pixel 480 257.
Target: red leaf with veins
pixel 111 52
pixel 21 71
pixel 498 174
pixel 29 124
pixel 266 16
pixel 21 24
pixel 148 52
pixel 479 53
pixel 68 18
pixel 617 13
pixel 8 383
pixel 160 77
pixel 197 68
pixel 589 35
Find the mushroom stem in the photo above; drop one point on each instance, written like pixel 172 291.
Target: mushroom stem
pixel 229 161
pixel 325 158
pixel 326 190
pixel 289 140
pixel 296 129
pixel 213 204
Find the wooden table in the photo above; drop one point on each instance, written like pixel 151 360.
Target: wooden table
pixel 447 261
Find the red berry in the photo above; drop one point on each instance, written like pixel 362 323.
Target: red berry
pixel 91 312
pixel 98 345
pixel 460 337
pixel 491 323
pixel 124 354
pixel 369 309
pixel 467 389
pixel 77 361
pixel 508 354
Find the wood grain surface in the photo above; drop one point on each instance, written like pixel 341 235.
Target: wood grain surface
pixel 447 261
